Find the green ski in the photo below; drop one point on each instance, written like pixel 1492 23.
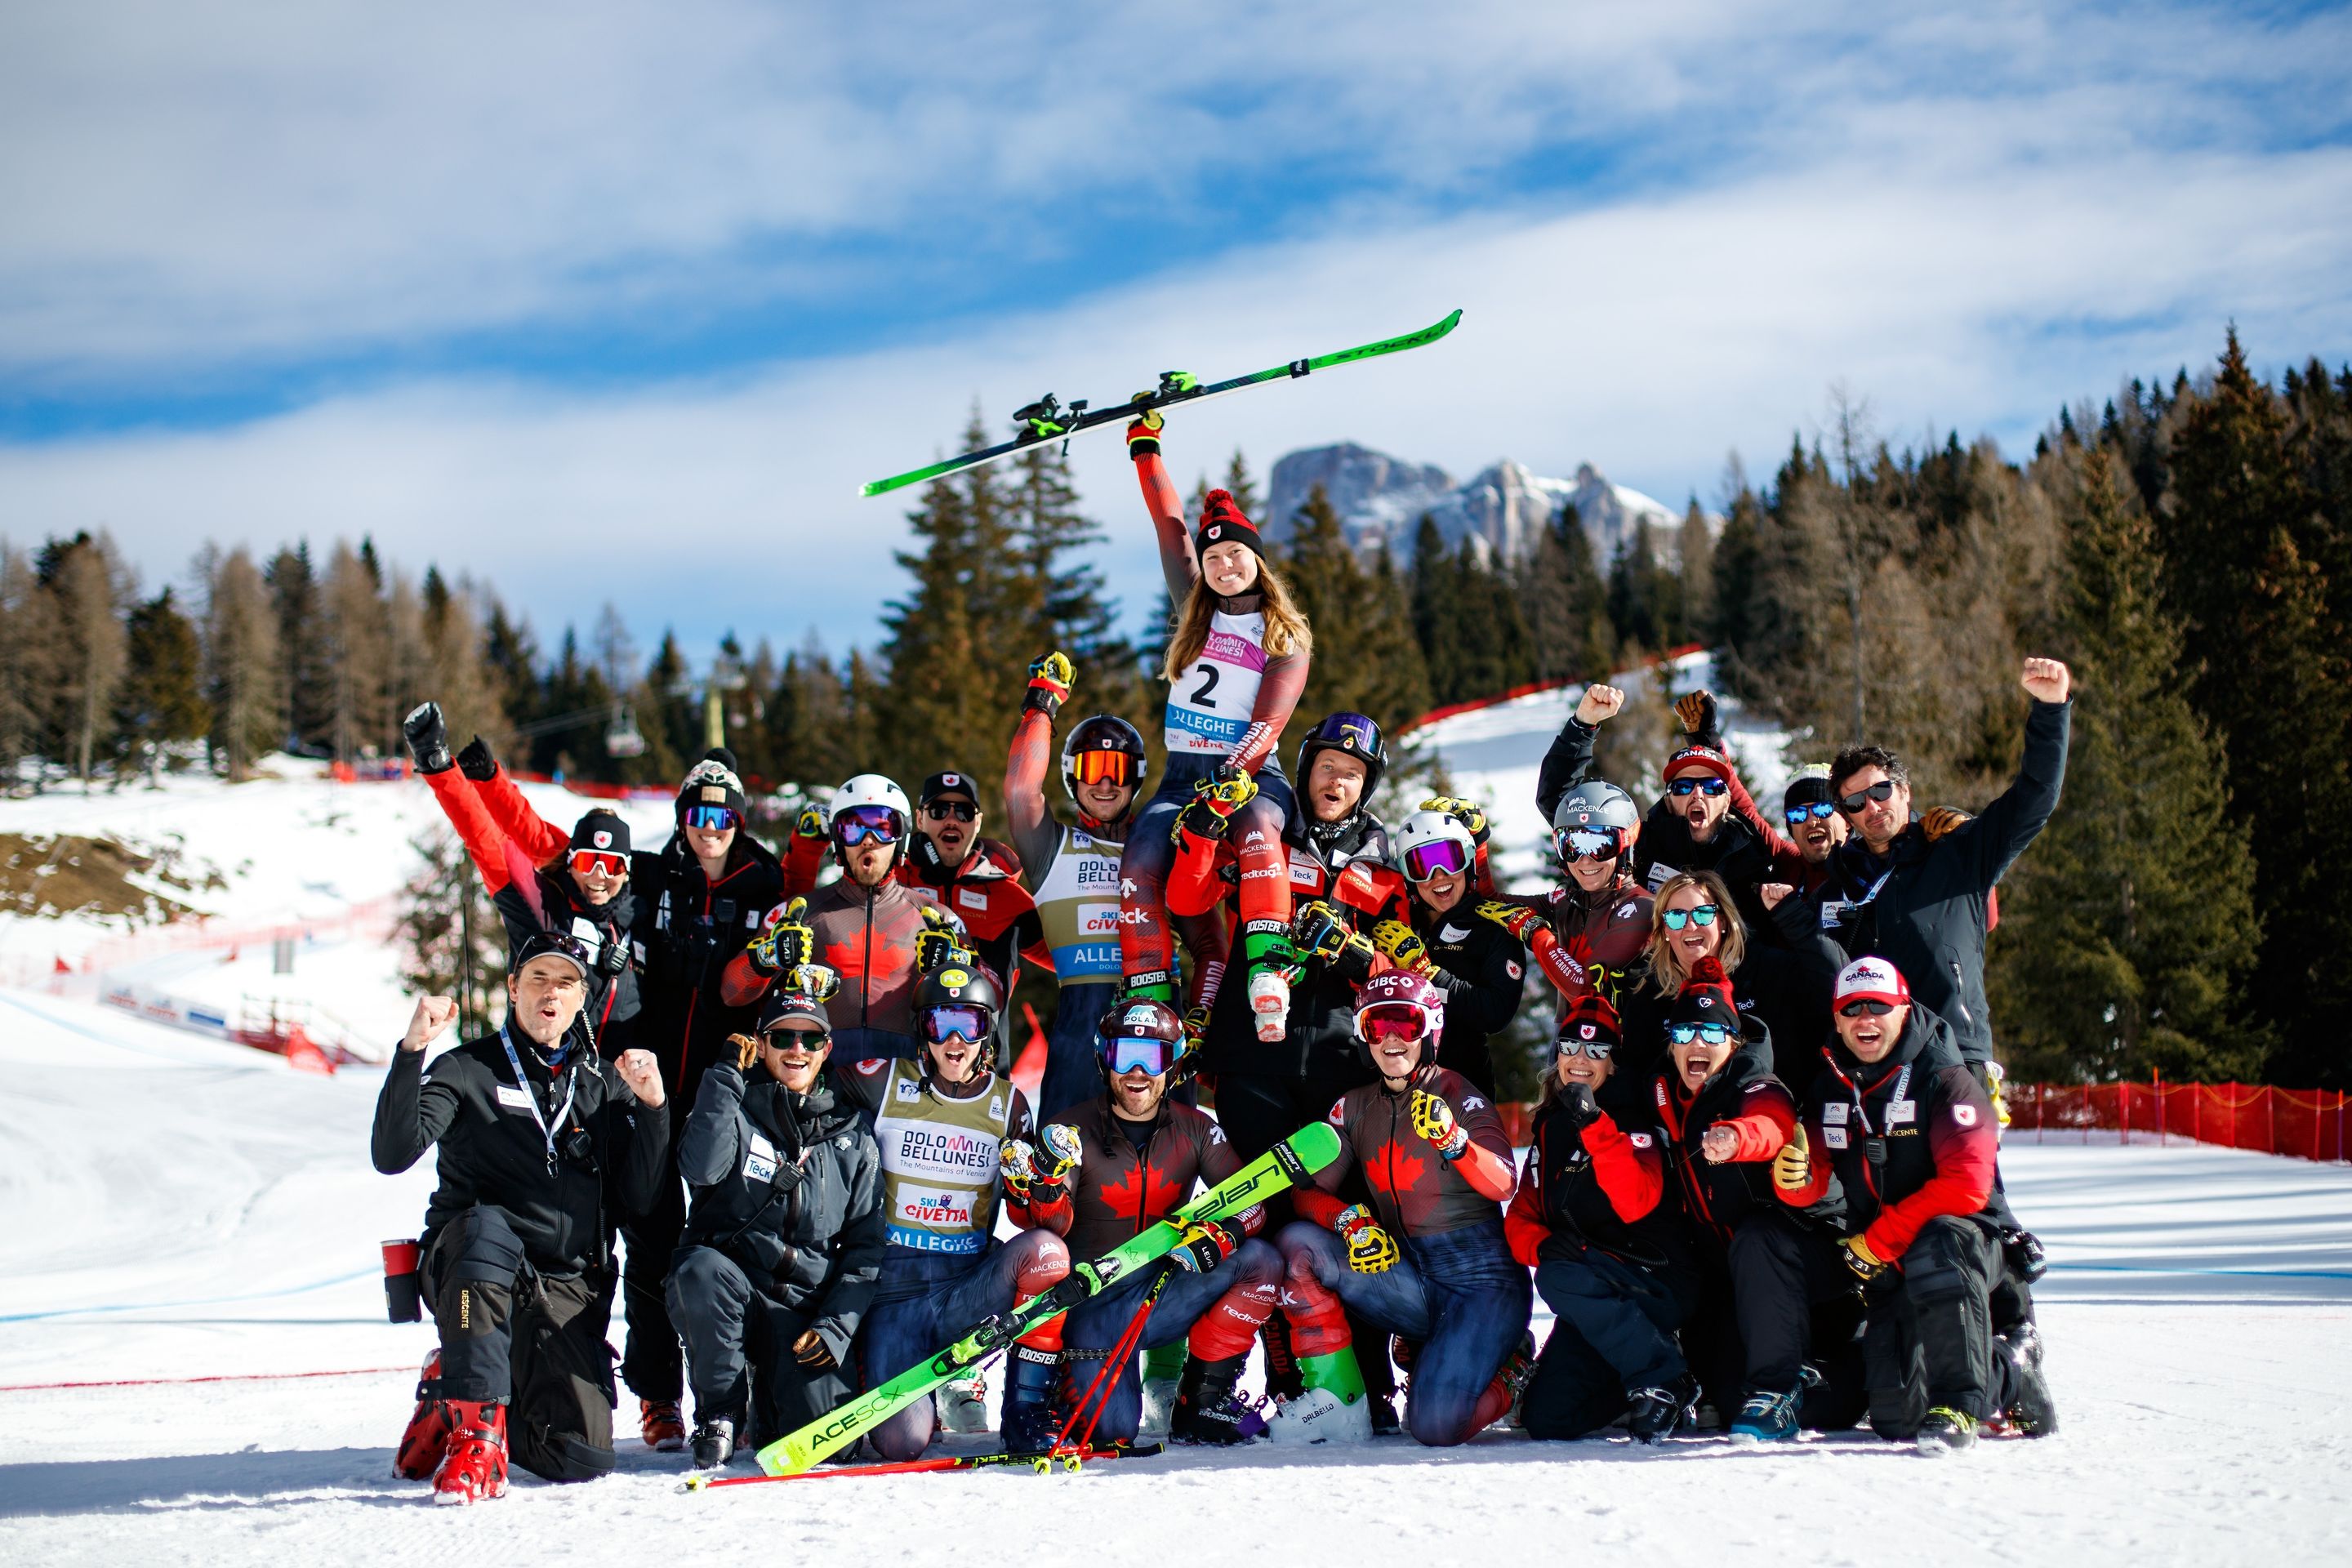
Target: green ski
pixel 1046 420
pixel 1292 1160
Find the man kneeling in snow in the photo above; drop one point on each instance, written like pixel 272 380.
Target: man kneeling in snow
pixel 544 1149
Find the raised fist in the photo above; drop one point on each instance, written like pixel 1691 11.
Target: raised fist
pixel 1599 703
pixel 2046 680
pixel 1696 710
pixel 1050 679
pixel 642 1075
pixel 433 1015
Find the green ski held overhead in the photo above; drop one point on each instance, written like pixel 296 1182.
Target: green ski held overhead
pixel 1046 420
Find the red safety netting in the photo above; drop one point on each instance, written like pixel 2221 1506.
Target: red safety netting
pixel 2308 1124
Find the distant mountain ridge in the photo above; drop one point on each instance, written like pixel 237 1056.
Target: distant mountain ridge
pixel 1382 499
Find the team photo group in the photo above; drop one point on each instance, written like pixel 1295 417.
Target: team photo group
pixel 749 1113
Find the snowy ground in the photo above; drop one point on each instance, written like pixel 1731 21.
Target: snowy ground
pixel 181 1209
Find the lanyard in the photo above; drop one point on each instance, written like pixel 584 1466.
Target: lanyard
pixel 530 1096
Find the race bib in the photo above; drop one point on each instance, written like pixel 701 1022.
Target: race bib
pixel 1209 702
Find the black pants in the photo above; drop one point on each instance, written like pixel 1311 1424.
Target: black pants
pixel 739 1350
pixel 532 1342
pixel 653 1364
pixel 1613 1330
pixel 1776 1296
pixel 1929 1339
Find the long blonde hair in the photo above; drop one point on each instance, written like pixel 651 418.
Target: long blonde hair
pixel 1287 631
pixel 1667 971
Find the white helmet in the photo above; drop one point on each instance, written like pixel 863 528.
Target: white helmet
pixel 871 789
pixel 1423 828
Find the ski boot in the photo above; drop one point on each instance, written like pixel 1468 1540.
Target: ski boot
pixel 963 1404
pixel 475 1467
pixel 1334 1407
pixel 1947 1431
pixel 1655 1413
pixel 1767 1418
pixel 2032 1411
pixel 1269 1000
pixel 1032 1417
pixel 428 1437
pixel 1207 1409
pixel 713 1442
pixel 1162 1369
pixel 662 1424
pixel 1518 1370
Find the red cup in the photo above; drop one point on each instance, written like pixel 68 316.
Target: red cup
pixel 402 1300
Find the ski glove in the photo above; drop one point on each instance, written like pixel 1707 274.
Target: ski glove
pixel 1577 1108
pixel 1215 800
pixel 810 1349
pixel 1434 1120
pixel 1405 949
pixel 1370 1249
pixel 746 1051
pixel 428 738
pixel 1517 918
pixel 940 942
pixel 1792 1167
pixel 1050 679
pixel 785 941
pixel 1143 432
pixel 1468 813
pixel 1016 1163
pixel 809 824
pixel 1696 711
pixel 1317 931
pixel 1866 1265
pixel 476 761
pixel 1206 1245
pixel 1938 820
pixel 1043 1168
pixel 1196 1029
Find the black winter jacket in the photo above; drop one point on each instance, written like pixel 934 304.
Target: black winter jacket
pixel 789 1186
pixel 1758 1106
pixel 612 1153
pixel 689 927
pixel 1483 970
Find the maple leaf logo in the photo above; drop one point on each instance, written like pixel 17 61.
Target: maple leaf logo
pixel 844 958
pixel 1394 1169
pixel 1145 1192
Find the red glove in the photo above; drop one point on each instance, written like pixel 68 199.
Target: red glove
pixel 1143 435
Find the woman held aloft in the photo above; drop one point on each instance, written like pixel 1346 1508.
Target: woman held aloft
pixel 1480 966
pixel 1609 1255
pixel 1236 663
pixel 1720 1117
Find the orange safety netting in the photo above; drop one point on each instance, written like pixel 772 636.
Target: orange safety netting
pixel 2308 1124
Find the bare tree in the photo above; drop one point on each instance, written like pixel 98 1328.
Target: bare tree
pixel 241 663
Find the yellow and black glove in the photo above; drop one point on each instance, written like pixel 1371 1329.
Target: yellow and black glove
pixel 1468 813
pixel 940 942
pixel 1793 1167
pixel 1215 800
pixel 1865 1264
pixel 1403 946
pixel 1050 679
pixel 1370 1249
pixel 1435 1123
pixel 785 941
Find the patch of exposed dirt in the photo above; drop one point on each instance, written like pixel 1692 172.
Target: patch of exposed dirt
pixel 53 875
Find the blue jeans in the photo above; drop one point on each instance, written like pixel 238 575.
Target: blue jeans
pixel 922 1304
pixel 1614 1333
pixel 1146 945
pixel 1095 1324
pixel 1460 1297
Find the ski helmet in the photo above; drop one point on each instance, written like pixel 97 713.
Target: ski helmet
pixel 1432 841
pixel 1400 994
pixel 1594 806
pixel 1352 733
pixel 1137 1031
pixel 959 998
pixel 869 794
pixel 1104 733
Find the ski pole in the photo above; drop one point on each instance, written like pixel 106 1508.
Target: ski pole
pixel 1114 1364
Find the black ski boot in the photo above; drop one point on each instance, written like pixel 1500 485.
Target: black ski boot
pixel 1947 1431
pixel 2032 1413
pixel 1207 1409
pixel 1655 1413
pixel 713 1441
pixel 1032 1416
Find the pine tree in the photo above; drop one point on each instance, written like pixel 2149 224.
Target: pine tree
pixel 1733 610
pixel 933 644
pixel 89 586
pixel 2127 931
pixel 1436 611
pixel 1565 604
pixel 160 701
pixel 1366 658
pixel 305 679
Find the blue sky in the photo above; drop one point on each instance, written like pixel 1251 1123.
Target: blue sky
pixel 623 302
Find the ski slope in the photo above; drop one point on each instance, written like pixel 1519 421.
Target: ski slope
pixel 181 1209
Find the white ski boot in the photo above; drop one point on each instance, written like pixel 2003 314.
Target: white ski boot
pixel 1320 1416
pixel 1269 1000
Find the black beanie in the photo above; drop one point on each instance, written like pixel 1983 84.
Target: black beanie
pixel 603 830
pixel 713 781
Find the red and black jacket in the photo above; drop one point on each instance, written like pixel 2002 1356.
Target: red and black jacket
pixel 691 927
pixel 1118 1192
pixel 1416 1190
pixel 1601 1190
pixel 1756 1105
pixel 986 894
pixel 1934 1133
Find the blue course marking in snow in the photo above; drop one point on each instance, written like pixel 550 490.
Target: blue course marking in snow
pixel 2215 1273
pixel 175 1306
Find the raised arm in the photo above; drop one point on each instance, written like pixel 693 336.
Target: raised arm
pixel 1166 507
pixel 412 1109
pixel 1036 834
pixel 1569 761
pixel 2001 832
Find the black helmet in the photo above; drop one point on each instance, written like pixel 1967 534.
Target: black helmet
pixel 1142 1018
pixel 1103 733
pixel 1353 733
pixel 961 983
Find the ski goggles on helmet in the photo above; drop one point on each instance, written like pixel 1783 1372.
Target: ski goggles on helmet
pixel 1123 1054
pixel 956 1021
pixel 1857 1007
pixel 1589 844
pixel 1851 805
pixel 1438 857
pixel 1817 811
pixel 1674 919
pixel 586 861
pixel 1103 767
pixel 1702 784
pixel 962 810
pixel 860 822
pixel 1392 1022
pixel 1351 732
pixel 715 818
pixel 1705 1033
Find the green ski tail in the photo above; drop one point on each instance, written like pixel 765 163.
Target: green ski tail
pixel 1292 1160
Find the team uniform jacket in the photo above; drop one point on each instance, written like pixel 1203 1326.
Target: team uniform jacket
pixel 938 1151
pixel 1931 1120
pixel 1602 1189
pixel 1591 942
pixel 866 936
pixel 986 894
pixel 1416 1190
pixel 1483 970
pixel 1756 1107
pixel 1116 1193
pixel 611 1153
pixel 789 1186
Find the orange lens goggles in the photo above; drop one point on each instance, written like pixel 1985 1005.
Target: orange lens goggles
pixel 1103 767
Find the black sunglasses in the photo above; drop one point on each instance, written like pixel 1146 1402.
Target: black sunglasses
pixel 807 1039
pixel 962 810
pixel 1851 805
pixel 1857 1009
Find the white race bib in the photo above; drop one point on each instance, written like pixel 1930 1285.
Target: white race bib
pixel 1209 702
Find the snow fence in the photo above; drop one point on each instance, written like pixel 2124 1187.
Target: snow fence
pixel 2307 1124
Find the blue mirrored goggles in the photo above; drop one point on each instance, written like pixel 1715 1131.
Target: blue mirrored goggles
pixel 1705 1033
pixel 713 818
pixel 860 822
pixel 1124 1054
pixel 1819 811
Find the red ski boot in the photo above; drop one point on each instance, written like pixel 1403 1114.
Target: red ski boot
pixel 662 1424
pixel 475 1467
pixel 428 1437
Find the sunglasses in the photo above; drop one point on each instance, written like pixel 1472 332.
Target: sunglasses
pixel 1705 1033
pixel 1102 767
pixel 1598 1050
pixel 1126 1054
pixel 1855 1009
pixel 586 861
pixel 1819 811
pixel 1407 1023
pixel 1851 805
pixel 1441 857
pixel 798 1039
pixel 716 818
pixel 1707 785
pixel 1589 844
pixel 860 822
pixel 941 1025
pixel 962 810
pixel 1676 919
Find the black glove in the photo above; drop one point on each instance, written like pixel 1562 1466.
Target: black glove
pixel 428 738
pixel 476 761
pixel 1696 711
pixel 1577 1108
pixel 2022 1250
